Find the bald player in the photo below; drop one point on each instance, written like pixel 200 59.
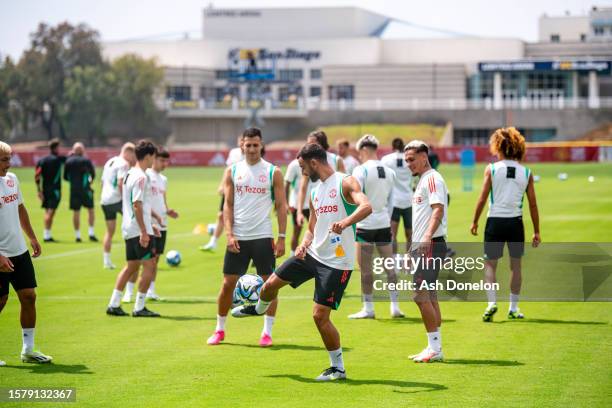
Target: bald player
pixel 80 172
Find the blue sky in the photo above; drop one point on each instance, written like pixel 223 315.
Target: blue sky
pixel 127 19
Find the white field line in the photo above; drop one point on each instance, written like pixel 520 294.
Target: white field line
pixel 169 299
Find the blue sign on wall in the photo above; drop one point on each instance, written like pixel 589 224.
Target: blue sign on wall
pixel 568 65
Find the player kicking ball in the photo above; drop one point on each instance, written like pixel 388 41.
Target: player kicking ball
pixel 327 251
pixel 252 187
pixel 505 183
pixel 429 228
pixel 15 263
pixel 137 229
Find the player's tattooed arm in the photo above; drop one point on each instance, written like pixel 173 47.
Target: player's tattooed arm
pixel 353 194
pixel 228 211
pixel 482 199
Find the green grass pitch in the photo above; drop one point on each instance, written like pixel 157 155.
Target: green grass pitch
pixel 560 355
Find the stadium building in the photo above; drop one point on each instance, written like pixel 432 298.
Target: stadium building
pixel 292 69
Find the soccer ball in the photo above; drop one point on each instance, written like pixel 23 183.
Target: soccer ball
pixel 173 258
pixel 247 289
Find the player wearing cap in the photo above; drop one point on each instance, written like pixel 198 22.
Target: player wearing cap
pixel 429 229
pixel 377 182
pixel 505 183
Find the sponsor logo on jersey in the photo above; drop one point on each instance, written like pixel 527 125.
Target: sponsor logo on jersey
pixel 251 190
pixel 327 209
pixel 9 198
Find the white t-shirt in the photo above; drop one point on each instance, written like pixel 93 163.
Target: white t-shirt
pixel 294 177
pixel 337 251
pixel 377 181
pixel 430 190
pixel 159 183
pixel 509 181
pixel 402 193
pixel 12 242
pixel 350 163
pixel 253 199
pixel 234 156
pixel 136 187
pixel 114 169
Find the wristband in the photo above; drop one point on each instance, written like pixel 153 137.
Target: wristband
pixel 281 235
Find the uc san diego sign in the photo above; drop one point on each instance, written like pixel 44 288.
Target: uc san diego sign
pixel 266 54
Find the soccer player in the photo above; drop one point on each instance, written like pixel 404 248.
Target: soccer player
pixel 505 183
pixel 159 186
pixel 252 187
pixel 319 137
pixel 114 171
pixel 402 192
pixel 327 252
pixel 138 232
pixel 80 172
pixel 293 180
pixel 235 155
pixel 377 182
pixel 48 179
pixel 429 229
pixel 344 152
pixel 15 263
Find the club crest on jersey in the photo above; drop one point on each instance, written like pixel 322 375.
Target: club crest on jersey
pixel 10 183
pixel 333 193
pixel 263 178
pixel 418 199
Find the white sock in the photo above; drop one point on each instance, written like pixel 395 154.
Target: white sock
pixel 151 288
pixel 77 234
pixel 107 257
pixel 434 341
pixel 28 340
pixel 140 301
pixel 514 302
pixel 491 296
pixel 213 240
pixel 440 336
pixel 268 323
pixel 91 231
pixel 129 289
pixel 47 233
pixel 394 296
pixel 335 359
pixel 115 300
pixel 262 306
pixel 291 253
pixel 368 307
pixel 220 323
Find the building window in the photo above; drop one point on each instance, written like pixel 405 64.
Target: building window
pixel 555 38
pixel 224 73
pixel 179 93
pixel 315 74
pixel 338 92
pixel 315 91
pixel 226 94
pixel 289 93
pixel 290 74
pixel 583 37
pixel 599 31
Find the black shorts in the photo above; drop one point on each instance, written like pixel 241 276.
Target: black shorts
pixel 330 283
pixel 305 213
pixel 160 243
pixel 379 237
pixel 111 211
pixel 134 252
pixel 429 266
pixel 405 214
pixel 498 231
pixel 261 251
pixel 51 198
pixel 82 198
pixel 222 202
pixel 22 276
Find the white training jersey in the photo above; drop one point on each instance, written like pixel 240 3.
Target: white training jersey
pixel 376 181
pixel 430 190
pixel 294 177
pixel 330 206
pixel 114 169
pixel 402 193
pixel 12 242
pixel 159 184
pixel 509 181
pixel 234 156
pixel 253 199
pixel 350 163
pixel 136 187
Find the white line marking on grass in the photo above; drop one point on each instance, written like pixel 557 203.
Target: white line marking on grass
pixel 168 299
